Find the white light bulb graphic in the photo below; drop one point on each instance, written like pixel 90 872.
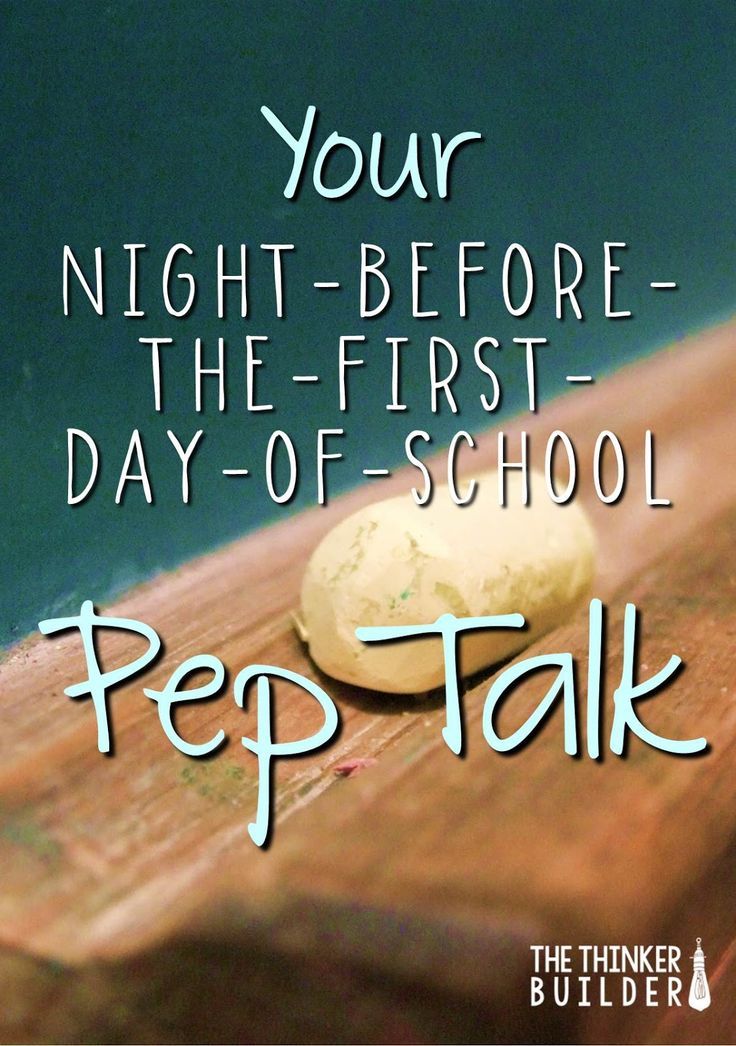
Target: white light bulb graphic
pixel 699 991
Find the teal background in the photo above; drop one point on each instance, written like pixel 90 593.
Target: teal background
pixel 133 122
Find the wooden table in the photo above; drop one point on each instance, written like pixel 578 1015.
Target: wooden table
pixel 399 904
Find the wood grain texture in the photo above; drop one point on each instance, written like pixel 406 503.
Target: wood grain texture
pixel 396 905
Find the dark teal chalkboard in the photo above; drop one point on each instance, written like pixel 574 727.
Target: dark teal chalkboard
pixel 140 123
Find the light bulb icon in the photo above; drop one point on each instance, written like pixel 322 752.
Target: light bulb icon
pixel 699 997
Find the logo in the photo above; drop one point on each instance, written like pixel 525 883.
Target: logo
pixel 617 975
pixel 699 997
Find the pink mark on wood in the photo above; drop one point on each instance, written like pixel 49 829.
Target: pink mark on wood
pixel 354 766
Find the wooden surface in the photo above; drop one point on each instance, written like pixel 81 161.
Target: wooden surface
pixel 398 904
